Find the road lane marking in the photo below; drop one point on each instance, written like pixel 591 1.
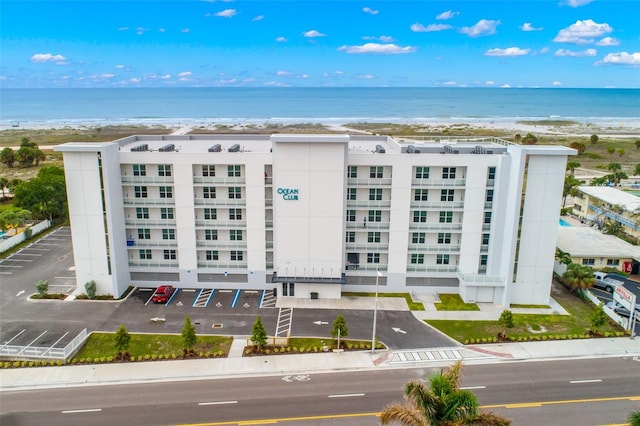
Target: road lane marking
pixel 288 419
pixel 346 395
pixel 87 410
pixel 566 401
pixel 217 403
pixel 472 387
pixel 585 381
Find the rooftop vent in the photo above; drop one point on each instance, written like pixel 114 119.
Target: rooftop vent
pixel 140 148
pixel 380 149
pixel 412 150
pixel 215 148
pixel 234 148
pixel 168 148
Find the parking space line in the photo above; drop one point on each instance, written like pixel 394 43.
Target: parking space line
pixel 197 298
pixel 14 337
pixel 32 342
pixel 6 273
pixel 57 341
pixel 27 254
pixel 19 260
pixel 172 296
pixel 65 278
pixel 203 299
pixel 2 265
pixel 235 299
pixel 150 297
pixel 35 248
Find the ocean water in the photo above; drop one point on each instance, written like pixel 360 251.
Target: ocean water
pixel 302 105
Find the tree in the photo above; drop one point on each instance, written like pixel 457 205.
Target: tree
pixel 599 181
pixel 611 227
pixel 636 171
pixel 339 329
pixel 25 156
pixel 572 166
pixel 578 146
pixel 530 139
pixel 598 318
pixel 518 138
pixel 189 338
pixel 122 340
pixel 594 139
pixel 45 196
pixel 620 151
pixel 570 188
pixel 43 288
pixel 506 321
pixel 634 417
pixel 578 277
pixel 90 287
pixel 259 334
pixel 441 403
pixel 14 217
pixel 563 257
pixel 637 144
pixel 8 156
pixel 4 185
pixel 27 142
pixel 611 149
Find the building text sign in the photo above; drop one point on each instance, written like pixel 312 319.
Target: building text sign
pixel 288 194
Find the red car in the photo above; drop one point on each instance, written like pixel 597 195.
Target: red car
pixel 163 293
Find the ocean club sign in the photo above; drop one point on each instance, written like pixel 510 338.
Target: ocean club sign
pixel 288 194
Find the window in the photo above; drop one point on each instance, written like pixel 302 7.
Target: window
pixel 235 214
pixel 235 192
pixel 417 259
pixel 235 234
pixel 373 237
pixel 419 216
pixel 351 237
pixel 373 257
pixel 236 255
pixel 448 173
pixel 208 170
pixel 352 172
pixel 140 191
pixel 444 238
pixel 375 215
pixel 145 254
pixel 418 237
pixel 487 217
pixel 170 255
pixel 483 260
pixel 144 234
pixel 351 215
pixel 422 172
pixel 446 217
pixel 446 194
pixel 421 195
pixel 589 262
pixel 613 262
pixel 442 259
pixel 375 172
pixel 485 239
pixel 166 192
pixel 489 196
pixel 168 234
pixel 491 173
pixel 164 169
pixel 351 194
pixel 211 254
pixel 375 194
pixel 142 213
pixel 166 212
pixel 210 214
pixel 211 234
pixel 233 171
pixel 139 170
pixel 209 192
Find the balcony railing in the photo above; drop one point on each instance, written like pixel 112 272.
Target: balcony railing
pixel 368 247
pixel 431 268
pixel 214 264
pixel 198 201
pixel 369 225
pixel 438 204
pixel 438 182
pixel 135 201
pixel 147 179
pixel 369 182
pixel 202 223
pixel 435 226
pixel 150 222
pixel 219 180
pixel 137 244
pixel 154 263
pixel 438 248
pixel 369 203
pixel 226 245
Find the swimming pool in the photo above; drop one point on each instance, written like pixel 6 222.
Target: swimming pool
pixel 563 222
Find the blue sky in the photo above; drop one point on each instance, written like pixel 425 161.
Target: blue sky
pixel 566 43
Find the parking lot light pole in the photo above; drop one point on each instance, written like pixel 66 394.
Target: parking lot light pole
pixel 375 314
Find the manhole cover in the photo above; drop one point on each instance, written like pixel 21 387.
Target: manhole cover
pixel 216 325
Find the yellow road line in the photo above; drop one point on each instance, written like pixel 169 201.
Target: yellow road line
pixel 567 401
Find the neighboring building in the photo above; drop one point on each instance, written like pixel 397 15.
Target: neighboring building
pixel 588 246
pixel 595 204
pixel 316 215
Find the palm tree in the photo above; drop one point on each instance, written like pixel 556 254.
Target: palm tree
pixel 563 256
pixel 530 139
pixel 4 184
pixel 636 171
pixel 634 417
pixel 441 403
pixel 578 277
pixel 572 166
pixel 611 227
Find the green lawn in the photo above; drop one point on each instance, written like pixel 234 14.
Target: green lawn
pixel 414 306
pixel 453 302
pixel 100 345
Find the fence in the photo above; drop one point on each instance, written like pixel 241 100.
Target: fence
pixel 622 321
pixel 17 239
pixel 50 352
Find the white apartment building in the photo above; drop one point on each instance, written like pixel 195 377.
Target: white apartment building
pixel 316 215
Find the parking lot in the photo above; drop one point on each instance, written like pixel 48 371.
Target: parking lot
pixel 211 299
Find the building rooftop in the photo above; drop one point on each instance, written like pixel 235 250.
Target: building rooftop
pixel 613 196
pixel 584 241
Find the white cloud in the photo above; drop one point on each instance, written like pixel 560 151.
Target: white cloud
pixel 365 76
pixel 165 77
pixel 490 83
pixel 230 81
pixel 382 38
pixel 385 49
pixel 227 13
pixel 162 30
pixel 556 83
pixel 258 18
pixel 283 73
pixel 482 27
pixel 608 41
pixel 544 50
pixel 281 39
pixel 582 32
pixel 123 29
pixel 528 27
pixel 107 75
pixel 134 80
pixel 48 57
pixel 184 74
pixel 509 51
pixel 185 30
pixel 621 58
pixel 313 33
pixel 565 52
pixel 119 66
pixel 577 3
pixel 419 28
pixel 506 86
pixel 370 11
pixel 450 83
pixel 447 15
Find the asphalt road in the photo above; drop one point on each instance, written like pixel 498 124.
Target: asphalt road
pixel 577 392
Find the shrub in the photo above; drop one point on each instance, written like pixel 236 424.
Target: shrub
pixel 267 351
pixel 147 357
pixel 295 349
pixel 90 288
pixel 43 288
pixel 208 354
pixel 30 363
pixel 247 352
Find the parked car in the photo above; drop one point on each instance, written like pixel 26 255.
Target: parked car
pixel 621 310
pixel 163 293
pixel 605 282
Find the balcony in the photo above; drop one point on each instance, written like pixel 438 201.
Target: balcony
pixel 369 204
pixel 452 205
pixel 214 264
pixel 138 244
pixel 235 224
pixel 488 204
pixel 135 201
pixel 151 222
pixel 367 247
pixel 154 263
pixel 369 225
pixel 369 182
pixel 436 248
pixel 431 268
pixel 160 180
pixel 199 201
pixel 218 180
pixel 428 226
pixel 224 245
pixel 439 183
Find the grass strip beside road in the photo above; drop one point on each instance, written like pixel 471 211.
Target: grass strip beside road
pixel 453 302
pixel 414 306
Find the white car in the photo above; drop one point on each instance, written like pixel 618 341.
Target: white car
pixel 621 310
pixel 606 283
